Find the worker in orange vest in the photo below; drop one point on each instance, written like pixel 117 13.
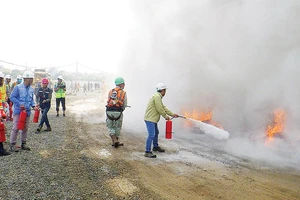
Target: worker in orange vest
pixel 116 104
pixel 3 99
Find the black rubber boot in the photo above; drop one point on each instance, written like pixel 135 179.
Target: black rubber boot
pixel 115 141
pixel 3 152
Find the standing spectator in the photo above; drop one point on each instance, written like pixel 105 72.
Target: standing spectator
pixel 8 91
pixel 84 88
pixel 22 97
pixel 60 95
pixel 3 93
pixel 77 87
pixel 3 98
pixel 8 86
pixel 43 98
pixel 17 82
pixel 154 110
pixel 116 104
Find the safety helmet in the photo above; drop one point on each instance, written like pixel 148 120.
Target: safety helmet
pixel 45 81
pixel 8 76
pixel 19 77
pixel 28 74
pixel 1 75
pixel 119 81
pixel 60 77
pixel 161 86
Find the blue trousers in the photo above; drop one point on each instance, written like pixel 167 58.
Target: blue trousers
pixel 44 118
pixel 152 135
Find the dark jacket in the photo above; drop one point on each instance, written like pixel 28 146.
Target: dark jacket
pixel 44 94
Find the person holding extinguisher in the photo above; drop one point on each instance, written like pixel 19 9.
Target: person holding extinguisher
pixel 22 98
pixel 116 104
pixel 43 98
pixel 3 98
pixel 154 110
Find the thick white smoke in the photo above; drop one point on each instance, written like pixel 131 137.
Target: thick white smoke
pixel 238 58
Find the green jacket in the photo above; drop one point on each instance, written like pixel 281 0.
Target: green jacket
pixel 156 108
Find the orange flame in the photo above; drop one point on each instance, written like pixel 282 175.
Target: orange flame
pixel 278 123
pixel 205 117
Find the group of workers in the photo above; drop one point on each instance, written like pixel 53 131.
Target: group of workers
pixel 116 104
pixel 21 95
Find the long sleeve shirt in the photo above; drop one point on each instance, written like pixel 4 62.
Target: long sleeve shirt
pixel 156 108
pixel 22 95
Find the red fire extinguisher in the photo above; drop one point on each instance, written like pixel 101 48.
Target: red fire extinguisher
pixel 10 111
pixel 2 132
pixel 2 114
pixel 169 129
pixel 36 116
pixel 22 120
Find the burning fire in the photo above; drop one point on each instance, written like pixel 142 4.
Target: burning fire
pixel 278 123
pixel 205 117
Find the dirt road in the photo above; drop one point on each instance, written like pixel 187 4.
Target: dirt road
pixel 164 178
pixel 76 161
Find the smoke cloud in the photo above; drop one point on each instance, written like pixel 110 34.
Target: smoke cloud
pixel 236 58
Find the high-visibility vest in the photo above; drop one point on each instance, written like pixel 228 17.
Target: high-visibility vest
pixel 3 93
pixel 60 93
pixel 116 98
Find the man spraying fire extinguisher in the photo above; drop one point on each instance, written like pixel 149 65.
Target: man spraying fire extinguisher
pixel 154 110
pixel 116 104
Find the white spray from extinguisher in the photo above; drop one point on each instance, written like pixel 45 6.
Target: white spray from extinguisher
pixel 211 130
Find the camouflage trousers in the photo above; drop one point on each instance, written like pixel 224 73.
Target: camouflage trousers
pixel 114 120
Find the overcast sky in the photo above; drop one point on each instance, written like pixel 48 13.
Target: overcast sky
pixel 58 33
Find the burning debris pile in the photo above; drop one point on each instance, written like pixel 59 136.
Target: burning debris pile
pixel 276 128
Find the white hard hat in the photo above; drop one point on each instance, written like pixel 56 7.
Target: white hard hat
pixel 1 75
pixel 8 76
pixel 19 77
pixel 60 77
pixel 161 86
pixel 28 74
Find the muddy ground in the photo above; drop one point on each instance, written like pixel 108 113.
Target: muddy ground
pixel 76 161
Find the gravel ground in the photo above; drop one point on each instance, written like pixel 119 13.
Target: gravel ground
pixel 58 165
pixel 77 161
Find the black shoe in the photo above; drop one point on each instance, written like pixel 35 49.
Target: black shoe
pixel 149 155
pixel 4 153
pixel 25 147
pixel 64 114
pixel 57 115
pixel 158 149
pixel 119 144
pixel 116 144
pixel 48 129
pixel 38 130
